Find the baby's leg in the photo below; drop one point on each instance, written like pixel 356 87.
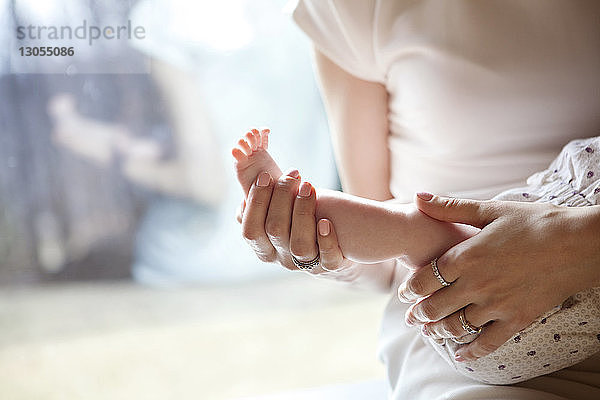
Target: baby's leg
pixel 371 231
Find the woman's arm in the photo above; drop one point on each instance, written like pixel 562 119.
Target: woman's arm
pixel 357 112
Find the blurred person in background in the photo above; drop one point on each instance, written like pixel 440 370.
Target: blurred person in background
pixel 64 214
pixel 112 175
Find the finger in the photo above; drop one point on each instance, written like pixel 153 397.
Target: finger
pixel 493 336
pixel 439 305
pixel 451 327
pixel 464 211
pixel 329 249
pixel 243 146
pixel 303 243
pixel 423 282
pixel 253 220
pixel 279 217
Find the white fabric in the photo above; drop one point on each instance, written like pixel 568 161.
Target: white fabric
pixel 374 389
pixel 482 94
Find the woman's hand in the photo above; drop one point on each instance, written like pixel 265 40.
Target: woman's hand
pixel 527 259
pixel 278 221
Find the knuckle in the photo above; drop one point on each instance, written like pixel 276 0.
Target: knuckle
pixel 451 203
pixel 257 200
pixel 266 257
pixel 288 265
pixel 250 233
pixel 481 286
pixel 468 256
pixel 275 228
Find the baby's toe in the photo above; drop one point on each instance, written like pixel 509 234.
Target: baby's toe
pixel 257 138
pixel 251 139
pixel 264 138
pixel 238 154
pixel 255 132
pixel 245 147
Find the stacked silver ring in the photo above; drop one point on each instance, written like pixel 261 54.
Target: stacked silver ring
pixel 437 274
pixel 472 330
pixel 306 265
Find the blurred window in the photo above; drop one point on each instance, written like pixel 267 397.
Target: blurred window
pixel 116 161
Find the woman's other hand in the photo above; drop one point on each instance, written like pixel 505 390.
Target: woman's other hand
pixel 527 259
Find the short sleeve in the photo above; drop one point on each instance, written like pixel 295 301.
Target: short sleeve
pixel 344 32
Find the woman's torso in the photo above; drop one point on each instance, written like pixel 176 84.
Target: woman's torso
pixel 484 93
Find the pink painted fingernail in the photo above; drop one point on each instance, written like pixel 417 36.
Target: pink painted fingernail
pixel 305 190
pixel 324 227
pixel 424 196
pixel 263 179
pixel 459 358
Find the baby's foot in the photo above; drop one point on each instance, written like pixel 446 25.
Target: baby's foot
pixel 252 158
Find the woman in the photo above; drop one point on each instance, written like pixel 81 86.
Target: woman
pixel 462 99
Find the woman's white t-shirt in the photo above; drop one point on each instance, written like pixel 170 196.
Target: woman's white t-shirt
pixel 482 94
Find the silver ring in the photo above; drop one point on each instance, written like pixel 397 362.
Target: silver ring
pixel 306 265
pixel 464 339
pixel 470 329
pixel 437 274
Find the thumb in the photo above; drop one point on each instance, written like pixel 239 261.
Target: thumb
pixel 462 211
